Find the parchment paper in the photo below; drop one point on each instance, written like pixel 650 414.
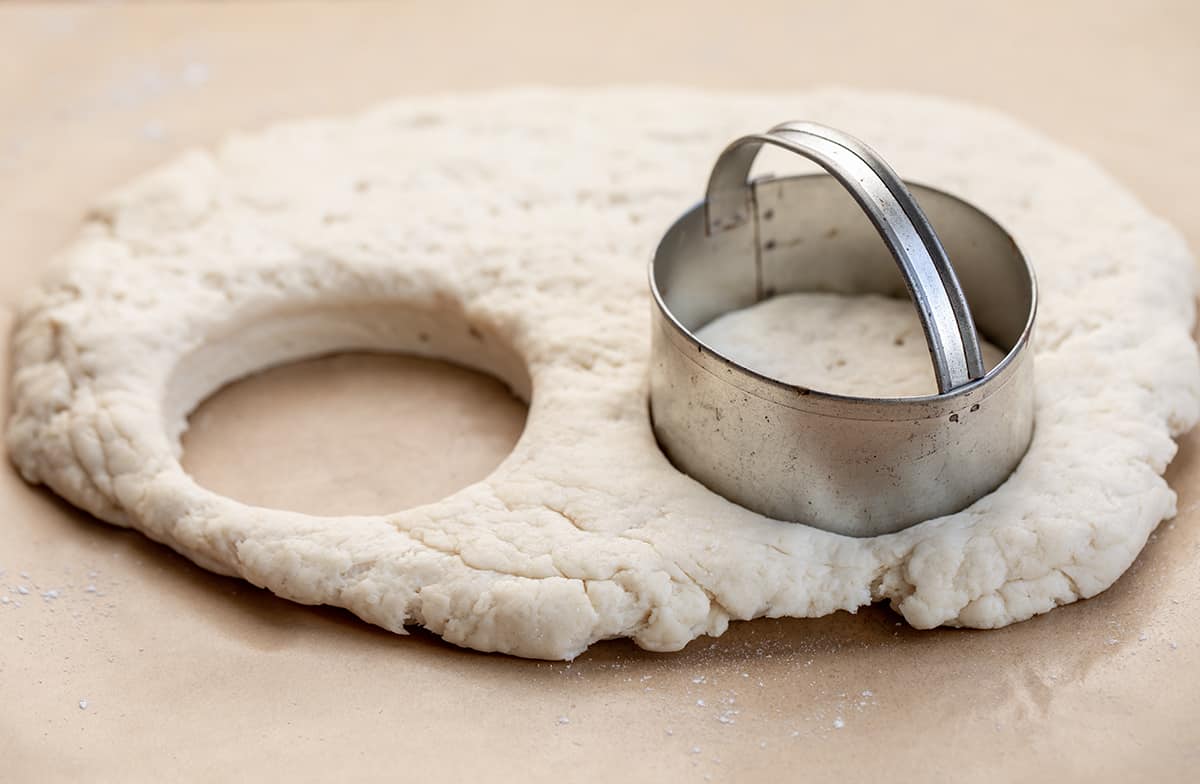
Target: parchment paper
pixel 190 676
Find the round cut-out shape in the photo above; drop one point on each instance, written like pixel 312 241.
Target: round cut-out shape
pixel 337 435
pixel 512 230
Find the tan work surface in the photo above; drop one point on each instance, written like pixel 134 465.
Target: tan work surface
pixel 196 677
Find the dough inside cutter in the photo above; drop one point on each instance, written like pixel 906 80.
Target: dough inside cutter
pixel 865 345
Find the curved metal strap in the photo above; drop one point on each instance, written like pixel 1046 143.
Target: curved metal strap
pixel 941 305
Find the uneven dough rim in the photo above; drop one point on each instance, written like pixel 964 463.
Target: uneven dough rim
pixel 487 568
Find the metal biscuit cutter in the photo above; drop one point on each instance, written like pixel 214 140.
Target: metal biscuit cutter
pixel 852 465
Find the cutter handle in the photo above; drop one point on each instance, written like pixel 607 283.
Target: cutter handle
pixel 941 305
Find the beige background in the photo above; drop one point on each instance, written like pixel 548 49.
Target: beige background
pixel 191 676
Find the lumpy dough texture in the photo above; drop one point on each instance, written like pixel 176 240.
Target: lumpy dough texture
pixel 510 231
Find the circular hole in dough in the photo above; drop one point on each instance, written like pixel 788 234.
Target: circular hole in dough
pixel 346 409
pixel 352 434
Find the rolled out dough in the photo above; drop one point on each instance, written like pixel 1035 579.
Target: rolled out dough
pixel 510 232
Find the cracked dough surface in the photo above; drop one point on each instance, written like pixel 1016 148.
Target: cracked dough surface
pixel 510 232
